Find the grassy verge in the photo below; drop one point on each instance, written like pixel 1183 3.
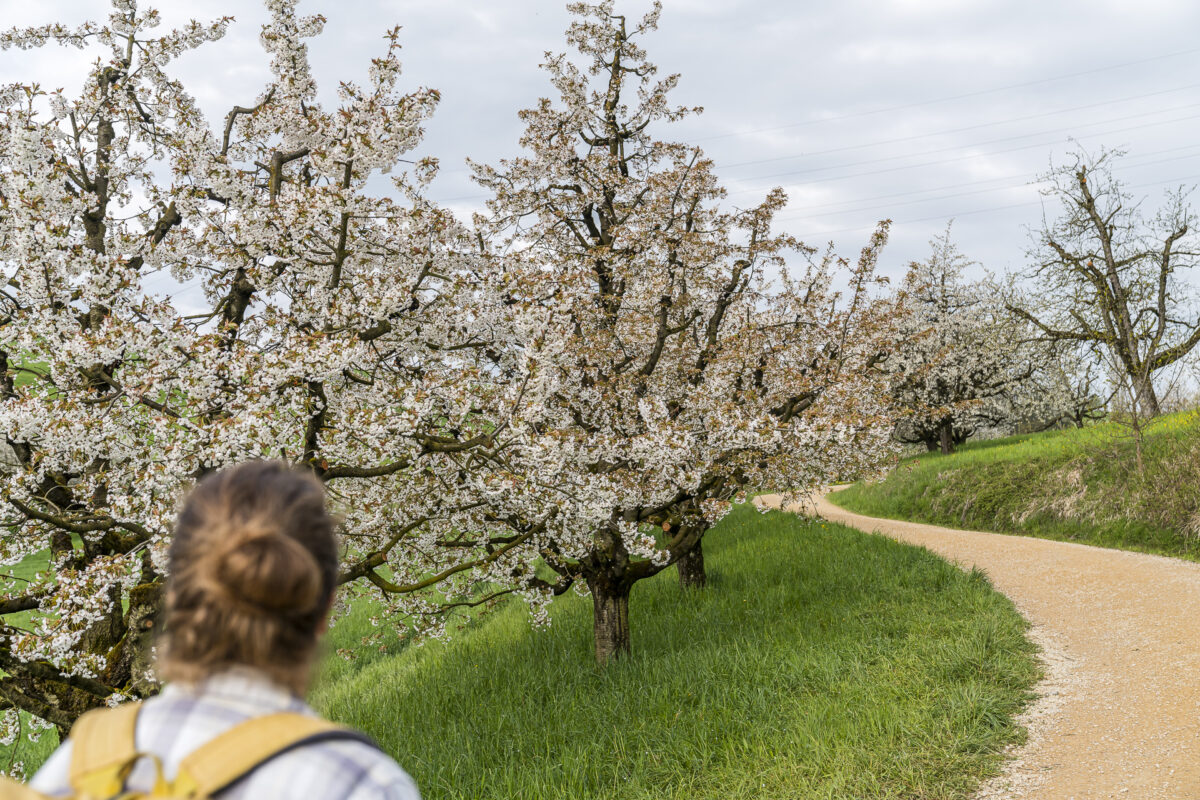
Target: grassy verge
pixel 1075 485
pixel 820 663
pixel 23 756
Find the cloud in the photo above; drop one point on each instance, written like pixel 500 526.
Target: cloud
pixel 916 52
pixel 846 104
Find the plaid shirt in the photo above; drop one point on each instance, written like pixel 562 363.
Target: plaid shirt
pixel 179 720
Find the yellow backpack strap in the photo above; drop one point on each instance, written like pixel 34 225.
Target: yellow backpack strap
pixel 103 750
pixel 236 753
pixel 11 790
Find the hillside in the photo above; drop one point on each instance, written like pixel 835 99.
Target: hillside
pixel 1079 485
pixel 820 662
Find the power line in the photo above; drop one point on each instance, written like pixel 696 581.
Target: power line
pixel 937 162
pixel 1027 180
pixel 1138 161
pixel 987 210
pixel 1000 140
pixel 978 127
pixel 1040 115
pixel 950 98
pixel 964 194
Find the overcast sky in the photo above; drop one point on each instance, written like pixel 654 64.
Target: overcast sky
pixel 918 110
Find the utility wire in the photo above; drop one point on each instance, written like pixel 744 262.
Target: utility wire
pixel 975 127
pixel 979 126
pixel 1025 177
pixel 1028 181
pixel 1001 140
pixel 936 162
pixel 950 98
pixel 988 210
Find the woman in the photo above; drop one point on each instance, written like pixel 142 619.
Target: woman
pixel 253 567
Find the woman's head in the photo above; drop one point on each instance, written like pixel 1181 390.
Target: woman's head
pixel 253 567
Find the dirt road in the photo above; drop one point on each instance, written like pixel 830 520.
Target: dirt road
pixel 1119 715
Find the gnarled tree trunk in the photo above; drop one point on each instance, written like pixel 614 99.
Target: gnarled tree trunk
pixel 945 439
pixel 610 614
pixel 691 567
pixel 1147 400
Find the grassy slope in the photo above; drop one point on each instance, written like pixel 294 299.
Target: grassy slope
pixel 820 663
pixel 24 755
pixel 1078 485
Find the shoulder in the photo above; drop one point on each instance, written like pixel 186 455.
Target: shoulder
pixel 51 779
pixel 382 778
pixel 347 769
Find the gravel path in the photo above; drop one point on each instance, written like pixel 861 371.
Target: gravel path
pixel 1119 712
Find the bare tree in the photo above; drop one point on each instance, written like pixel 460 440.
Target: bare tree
pixel 1110 276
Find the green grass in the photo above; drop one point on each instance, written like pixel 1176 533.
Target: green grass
pixel 1074 485
pixel 820 663
pixel 23 756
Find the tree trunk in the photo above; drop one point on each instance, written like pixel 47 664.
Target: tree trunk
pixel 123 639
pixel 610 615
pixel 945 439
pixel 691 567
pixel 1147 399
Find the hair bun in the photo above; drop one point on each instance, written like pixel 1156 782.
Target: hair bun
pixel 270 571
pixel 253 568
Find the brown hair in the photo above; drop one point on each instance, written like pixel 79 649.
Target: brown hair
pixel 253 567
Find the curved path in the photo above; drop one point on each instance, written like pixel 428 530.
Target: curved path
pixel 1119 712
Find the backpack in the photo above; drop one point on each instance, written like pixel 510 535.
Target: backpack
pixel 104 754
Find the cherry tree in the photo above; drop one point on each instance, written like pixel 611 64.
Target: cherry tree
pixel 962 362
pixel 677 359
pixel 313 320
pixel 1068 387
